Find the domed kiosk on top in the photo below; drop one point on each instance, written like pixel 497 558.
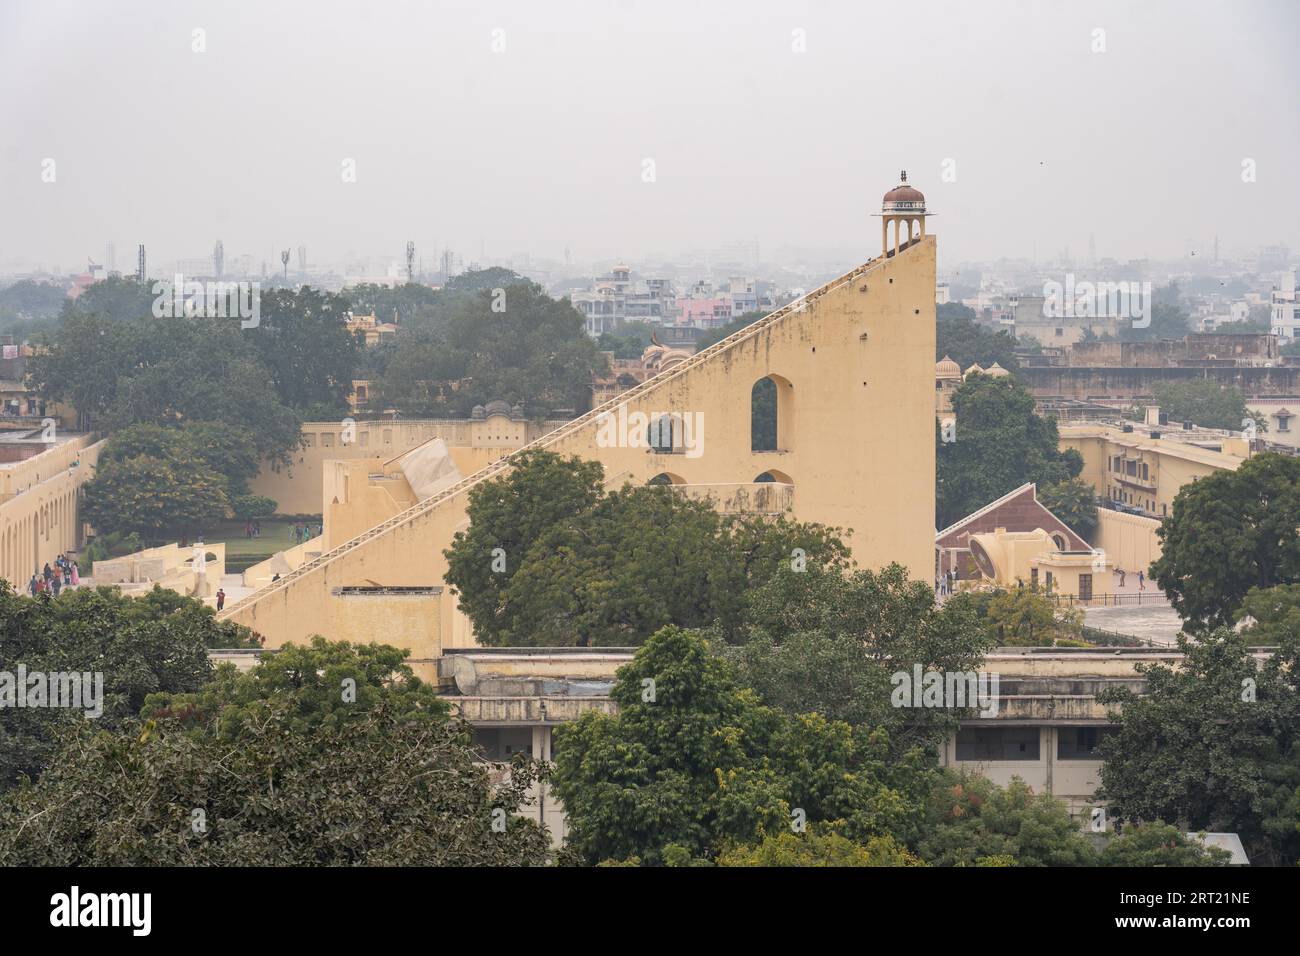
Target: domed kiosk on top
pixel 904 207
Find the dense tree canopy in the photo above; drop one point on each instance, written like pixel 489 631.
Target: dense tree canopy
pixel 1272 615
pixel 1205 403
pixel 971 821
pixel 1211 745
pixel 827 642
pixel 167 371
pixel 302 338
pixel 1227 533
pixel 550 558
pixel 511 342
pixel 967 342
pixel 1001 443
pixel 142 646
pixel 158 499
pixel 693 760
pixel 327 755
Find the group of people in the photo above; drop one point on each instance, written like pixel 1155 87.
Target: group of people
pixel 1123 576
pixel 303 532
pixel 52 580
pixel 945 583
pixel 252 529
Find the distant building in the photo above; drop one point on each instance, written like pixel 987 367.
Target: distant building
pixel 616 298
pixel 370 328
pixel 1285 311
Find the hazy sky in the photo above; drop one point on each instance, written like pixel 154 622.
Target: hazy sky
pixel 543 143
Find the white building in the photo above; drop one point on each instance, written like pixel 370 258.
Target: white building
pixel 1285 317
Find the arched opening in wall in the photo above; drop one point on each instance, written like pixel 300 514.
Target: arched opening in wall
pixel 771 414
pixel 664 435
pixel 1059 541
pixel 773 475
pixel 666 478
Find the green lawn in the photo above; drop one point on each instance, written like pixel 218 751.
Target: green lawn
pixel 242 552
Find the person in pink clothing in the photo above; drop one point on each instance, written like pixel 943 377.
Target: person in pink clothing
pixel 76 578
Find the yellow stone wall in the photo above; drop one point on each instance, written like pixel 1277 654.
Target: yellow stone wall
pixel 854 364
pixel 39 507
pixel 1169 464
pixel 473 444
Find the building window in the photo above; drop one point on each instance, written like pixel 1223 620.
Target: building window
pixel 1080 743
pixel 326 440
pixel 1033 578
pixel 1284 423
pixel 997 743
pixel 309 440
pixel 1085 587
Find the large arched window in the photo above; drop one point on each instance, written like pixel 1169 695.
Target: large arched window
pixel 771 408
pixel 666 478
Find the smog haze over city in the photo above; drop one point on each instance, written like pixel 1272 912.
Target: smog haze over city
pixel 503 130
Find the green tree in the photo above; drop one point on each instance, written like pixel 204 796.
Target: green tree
pixel 971 821
pixel 1022 617
pixel 302 337
pixel 327 683
pixel 508 515
pixel 968 343
pixel 1000 444
pixel 1210 745
pixel 1273 615
pixel 410 305
pixel 692 760
pixel 518 345
pixel 117 299
pixel 550 559
pixel 376 790
pixel 1159 844
pixel 817 848
pixel 1229 532
pixel 26 306
pixel 157 499
pixel 1073 501
pixel 222 448
pixel 826 642
pixel 141 646
pixel 1205 403
pixel 629 342
pixel 167 371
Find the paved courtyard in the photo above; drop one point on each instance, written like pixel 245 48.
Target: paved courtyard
pixel 1152 619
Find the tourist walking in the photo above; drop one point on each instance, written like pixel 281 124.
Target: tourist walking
pixel 221 598
pixel 76 576
pixel 31 586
